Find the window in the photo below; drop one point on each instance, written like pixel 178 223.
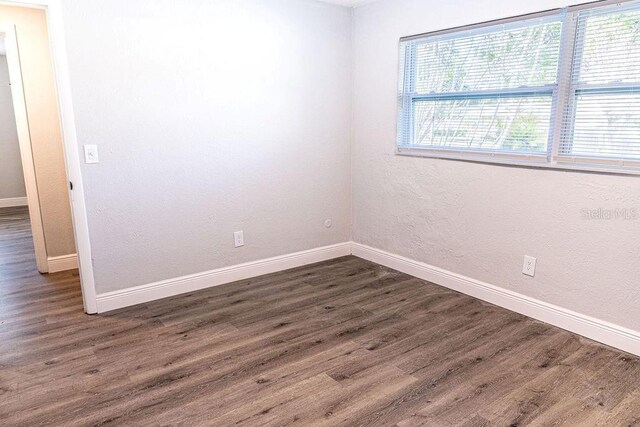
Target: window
pixel 558 89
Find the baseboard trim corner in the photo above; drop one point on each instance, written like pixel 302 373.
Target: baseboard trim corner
pixel 598 330
pixel 166 288
pixel 13 202
pixel 62 263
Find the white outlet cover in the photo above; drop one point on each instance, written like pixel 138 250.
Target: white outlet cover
pixel 529 266
pixel 238 238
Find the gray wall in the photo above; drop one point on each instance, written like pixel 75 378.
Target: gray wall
pixel 480 220
pixel 210 117
pixel 11 179
pixel 218 116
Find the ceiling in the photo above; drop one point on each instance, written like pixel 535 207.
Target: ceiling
pixel 350 3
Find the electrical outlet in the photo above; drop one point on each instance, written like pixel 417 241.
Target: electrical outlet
pixel 529 266
pixel 238 238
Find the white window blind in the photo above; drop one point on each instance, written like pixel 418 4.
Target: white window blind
pixel 563 88
pixel 602 119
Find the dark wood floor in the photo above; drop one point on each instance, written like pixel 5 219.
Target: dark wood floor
pixel 343 342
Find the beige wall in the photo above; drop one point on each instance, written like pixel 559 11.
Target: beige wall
pixel 44 126
pixel 11 179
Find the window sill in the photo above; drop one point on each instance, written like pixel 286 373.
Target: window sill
pixel 523 160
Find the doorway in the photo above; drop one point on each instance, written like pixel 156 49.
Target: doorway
pixel 36 227
pixel 16 131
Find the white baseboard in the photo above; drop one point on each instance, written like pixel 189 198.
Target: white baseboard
pixel 13 201
pixel 179 285
pixel 62 263
pixel 595 329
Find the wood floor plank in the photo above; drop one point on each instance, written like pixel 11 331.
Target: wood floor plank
pixel 341 342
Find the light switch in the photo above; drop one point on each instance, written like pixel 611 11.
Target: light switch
pixel 91 154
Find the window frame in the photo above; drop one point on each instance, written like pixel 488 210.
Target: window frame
pixel 563 93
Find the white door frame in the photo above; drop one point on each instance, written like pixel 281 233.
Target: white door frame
pixel 53 10
pixel 7 31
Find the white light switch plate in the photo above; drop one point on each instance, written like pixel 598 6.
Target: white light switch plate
pixel 91 154
pixel 529 266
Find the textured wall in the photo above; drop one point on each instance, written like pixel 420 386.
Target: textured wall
pixel 210 117
pixel 44 126
pixel 11 179
pixel 480 220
